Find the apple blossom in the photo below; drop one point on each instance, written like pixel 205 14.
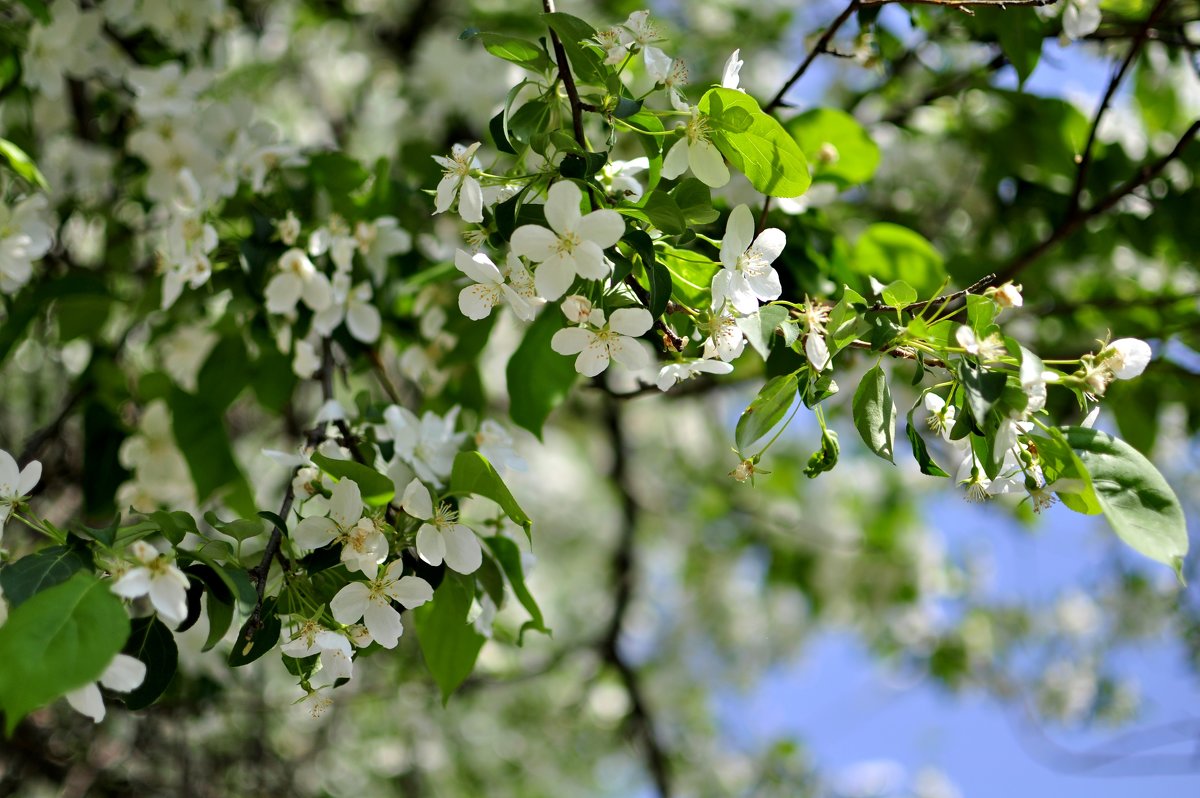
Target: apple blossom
pixel 352 305
pixel 372 602
pixel 427 445
pixel 725 338
pixel 1126 358
pixel 674 373
pixel 441 537
pixel 363 544
pixel 640 31
pixel 157 577
pixel 614 339
pixel 298 280
pixel 490 288
pixel 696 151
pixel 334 649
pixel 747 276
pixel 573 246
pixel 15 484
pixel 124 674
pixel 457 181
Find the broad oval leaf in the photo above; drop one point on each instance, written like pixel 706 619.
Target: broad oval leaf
pixel 890 252
pixel 58 641
pixel 28 576
pixel 755 143
pixel 509 557
pixel 448 642
pixel 539 378
pixel 768 408
pixel 1133 495
pixel 875 414
pixel 836 144
pixel 151 642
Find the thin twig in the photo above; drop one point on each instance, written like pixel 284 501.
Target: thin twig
pixel 564 72
pixel 963 4
pixel 1085 160
pixel 1078 219
pixel 974 288
pixel 821 46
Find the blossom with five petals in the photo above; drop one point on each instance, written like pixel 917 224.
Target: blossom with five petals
pixel 614 339
pixel 334 648
pixel 491 287
pixel 573 246
pixel 298 279
pixel 695 150
pixel 427 445
pixel 363 544
pixel 372 601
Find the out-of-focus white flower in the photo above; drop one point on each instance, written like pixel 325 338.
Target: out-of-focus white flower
pixel 25 237
pixel 124 674
pixel 427 445
pixel 1080 18
pixel 298 279
pixel 352 305
pixel 731 74
pixel 618 181
pixel 167 90
pixel 496 444
pixel 380 240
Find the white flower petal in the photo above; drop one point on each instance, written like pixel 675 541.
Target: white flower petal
pixel 463 552
pixel 478 267
pixel 604 228
pixel 534 242
pixel 631 321
pixel 562 206
pixel 314 532
pixel 417 502
pixel 707 163
pixel 384 623
pixel 350 602
pixel 124 674
pixel 430 546
pixel 87 701
pixel 411 591
pixel 345 505
pixel 571 340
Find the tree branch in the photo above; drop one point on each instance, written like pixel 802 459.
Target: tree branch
pixel 1074 221
pixel 623 573
pixel 821 46
pixel 1085 160
pixel 564 72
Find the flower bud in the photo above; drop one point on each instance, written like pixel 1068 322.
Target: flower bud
pixel 1126 357
pixel 577 308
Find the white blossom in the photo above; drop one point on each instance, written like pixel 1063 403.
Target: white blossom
pixel 441 537
pixel 496 444
pixel 614 339
pixel 747 276
pixel 573 246
pixel 380 240
pixel 457 181
pixel 363 544
pixel 427 445
pixel 491 287
pixel 696 151
pixel 1126 358
pixel 1080 18
pixel 298 280
pixel 352 305
pixel 618 181
pixel 731 74
pixel 674 373
pixel 640 31
pixel 124 674
pixel 15 484
pixel 371 601
pixel 157 577
pixel 725 338
pixel 334 649
pixel 25 237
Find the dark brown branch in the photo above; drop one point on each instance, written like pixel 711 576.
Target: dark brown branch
pixel 1073 222
pixel 564 72
pixel 1085 160
pixel 821 46
pixel 624 569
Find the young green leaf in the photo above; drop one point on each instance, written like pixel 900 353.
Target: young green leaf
pixel 538 379
pixel 28 576
pixel 152 642
pixel 920 450
pixel 1134 496
pixel 768 409
pixel 448 642
pixel 509 557
pixel 875 414
pixel 755 143
pixel 377 489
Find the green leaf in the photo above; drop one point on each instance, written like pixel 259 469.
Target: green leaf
pixel 664 213
pixel 152 642
pixel 585 61
pixel 982 387
pixel 21 163
pixel 825 458
pixel 58 641
pixel 517 51
pixel 1021 37
pixel 760 328
pixel 768 409
pixel 174 525
pixel 920 450
pixel 245 650
pixel 31 575
pixel 538 377
pixel 1134 496
pixel 509 557
pixel 473 474
pixel 201 435
pixel 755 143
pixel 695 201
pixel 836 144
pixel 890 252
pixel 220 617
pixel 898 294
pixel 875 414
pixel 377 489
pixel 449 644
